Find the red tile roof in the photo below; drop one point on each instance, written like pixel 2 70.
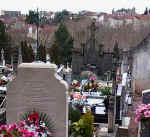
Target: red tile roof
pixel 143 16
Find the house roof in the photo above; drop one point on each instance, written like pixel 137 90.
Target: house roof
pixel 90 14
pixel 49 28
pixel 50 13
pixel 143 17
pixel 125 16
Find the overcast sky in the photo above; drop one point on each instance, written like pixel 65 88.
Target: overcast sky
pixel 74 5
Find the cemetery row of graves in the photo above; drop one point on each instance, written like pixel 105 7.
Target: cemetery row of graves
pixel 6 76
pixel 93 94
pixel 89 102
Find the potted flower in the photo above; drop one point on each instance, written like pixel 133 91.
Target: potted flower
pixel 143 116
pixel 92 79
pixel 34 125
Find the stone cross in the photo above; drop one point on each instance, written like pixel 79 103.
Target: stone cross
pixel 93 29
pixel 19 56
pixel 112 107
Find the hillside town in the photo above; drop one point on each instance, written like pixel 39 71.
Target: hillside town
pixel 82 74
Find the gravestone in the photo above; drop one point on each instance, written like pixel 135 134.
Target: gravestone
pixel 37 86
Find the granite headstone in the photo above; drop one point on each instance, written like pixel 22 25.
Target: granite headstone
pixel 38 86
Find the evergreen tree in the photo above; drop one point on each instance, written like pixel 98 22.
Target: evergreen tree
pixel 24 51
pixel 32 18
pixel 54 52
pixel 27 52
pixel 62 34
pixel 2 32
pixel 5 43
pixel 42 53
pixel 61 16
pixel 31 53
pixel 65 43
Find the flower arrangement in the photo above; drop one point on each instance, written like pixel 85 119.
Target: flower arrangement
pixel 143 114
pixel 75 85
pixel 105 91
pixel 88 86
pixel 92 78
pixel 33 126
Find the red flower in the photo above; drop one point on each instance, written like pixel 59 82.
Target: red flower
pixel 37 130
pixel 34 117
pixel 42 131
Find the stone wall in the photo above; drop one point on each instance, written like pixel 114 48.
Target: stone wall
pixel 141 66
pixel 37 87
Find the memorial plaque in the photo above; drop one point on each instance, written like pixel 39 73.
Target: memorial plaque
pixel 36 87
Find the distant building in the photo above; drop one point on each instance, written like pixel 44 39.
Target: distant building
pixel 43 13
pixel 90 14
pixel 125 11
pixel 11 13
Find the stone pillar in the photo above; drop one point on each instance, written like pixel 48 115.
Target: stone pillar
pixel 38 86
pixel 2 57
pixel 111 114
pixel 112 106
pixel 124 65
pixel 77 62
pixel 19 56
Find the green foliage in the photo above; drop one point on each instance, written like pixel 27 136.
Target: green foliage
pixel 105 91
pixel 32 18
pixel 86 87
pixel 88 120
pixel 61 16
pixel 74 113
pixel 63 45
pixel 31 53
pixel 27 52
pixel 42 117
pixel 48 122
pixel 61 34
pixel 2 31
pixel 54 52
pixel 41 53
pixel 84 127
pixel 5 42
